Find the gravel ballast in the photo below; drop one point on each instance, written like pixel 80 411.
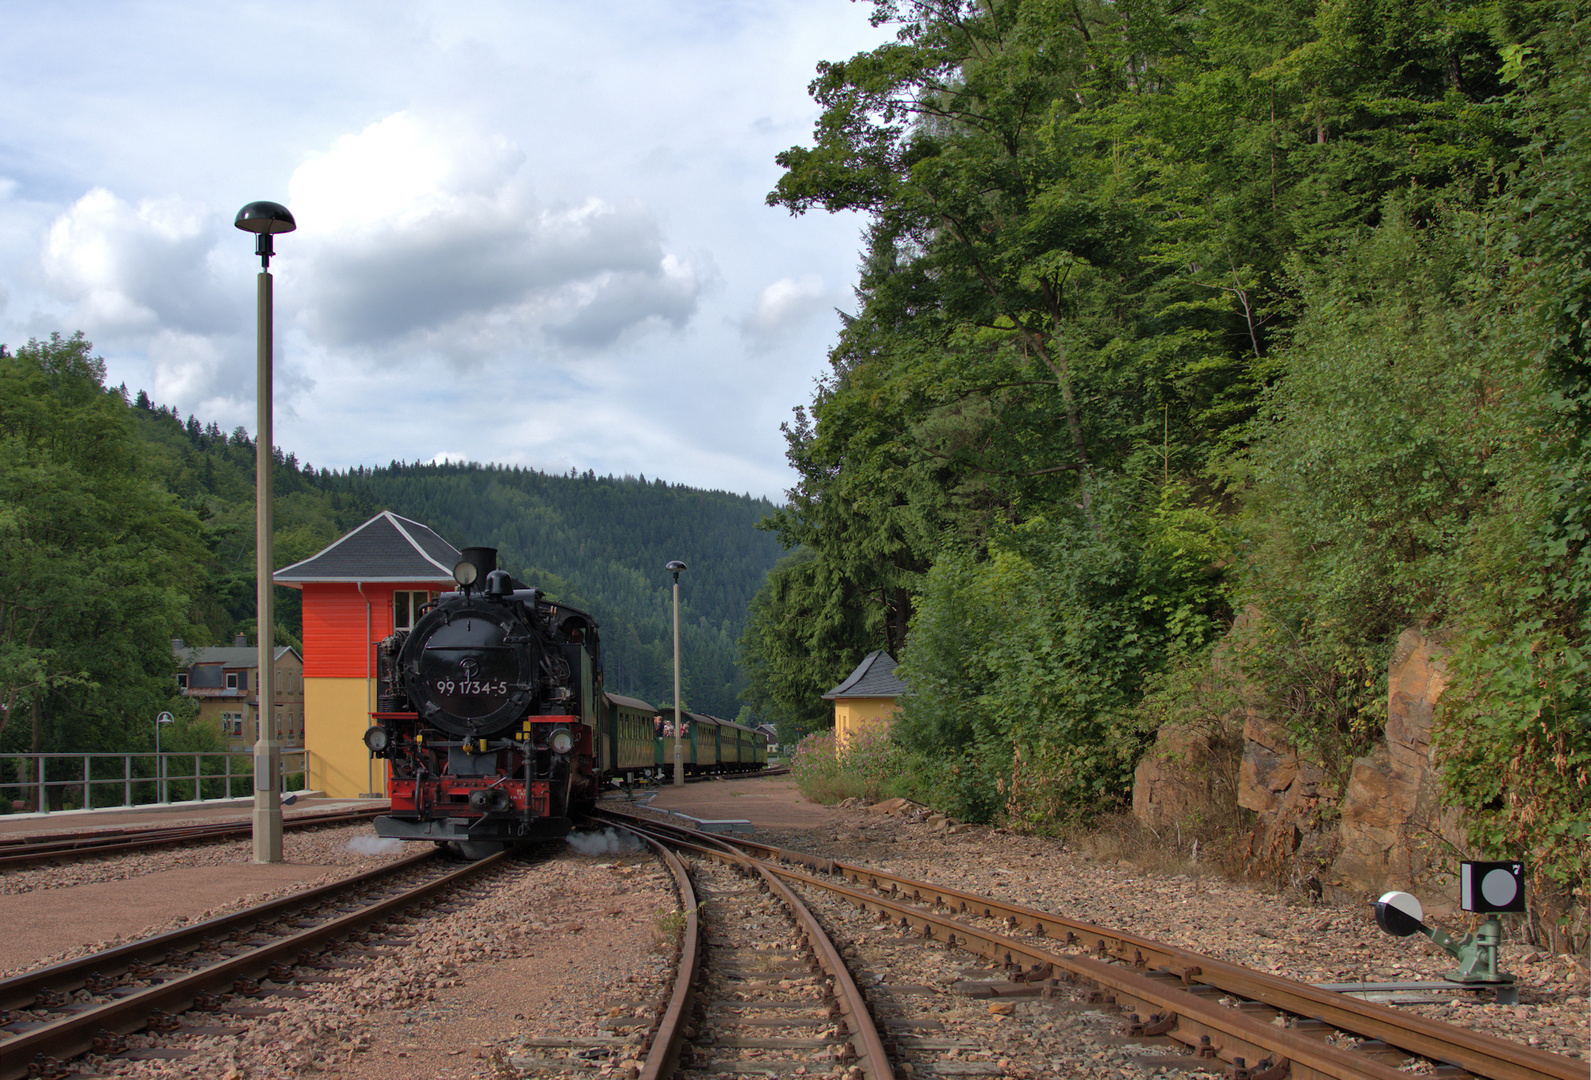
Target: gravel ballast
pixel 559 948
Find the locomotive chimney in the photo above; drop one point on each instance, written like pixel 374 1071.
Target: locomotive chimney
pixel 484 559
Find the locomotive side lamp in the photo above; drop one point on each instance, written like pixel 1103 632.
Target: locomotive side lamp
pixel 377 739
pixel 264 220
pixel 464 573
pixel 1485 888
pixel 675 566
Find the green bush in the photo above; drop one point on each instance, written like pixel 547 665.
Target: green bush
pixel 1026 667
pixel 868 767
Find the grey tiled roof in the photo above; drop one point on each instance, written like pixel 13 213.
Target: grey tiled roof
pixel 385 548
pixel 873 677
pixel 229 656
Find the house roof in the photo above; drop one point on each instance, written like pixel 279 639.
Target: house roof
pixel 873 677
pixel 385 548
pixel 229 656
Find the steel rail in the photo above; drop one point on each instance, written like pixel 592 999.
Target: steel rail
pixel 1231 1034
pixel 1480 1054
pixel 871 1056
pixel 80 836
pixel 663 1052
pixel 74 1035
pixel 19 852
pixel 22 991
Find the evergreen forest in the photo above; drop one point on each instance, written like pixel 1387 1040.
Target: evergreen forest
pixel 123 525
pixel 1251 325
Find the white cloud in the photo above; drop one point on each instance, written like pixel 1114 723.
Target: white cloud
pixel 427 237
pixel 518 224
pixel 781 306
pixel 136 269
pixel 187 368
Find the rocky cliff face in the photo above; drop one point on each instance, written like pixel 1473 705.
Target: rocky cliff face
pixel 1386 830
pixel 1394 832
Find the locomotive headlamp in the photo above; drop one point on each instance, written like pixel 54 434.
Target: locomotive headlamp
pixel 464 573
pixel 562 740
pixel 377 739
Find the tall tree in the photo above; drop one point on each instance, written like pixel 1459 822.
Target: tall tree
pixel 95 561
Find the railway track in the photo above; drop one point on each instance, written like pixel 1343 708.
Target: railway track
pixel 223 970
pixel 17 853
pixel 759 987
pixel 1255 1025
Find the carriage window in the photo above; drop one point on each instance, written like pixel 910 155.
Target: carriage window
pixel 406 608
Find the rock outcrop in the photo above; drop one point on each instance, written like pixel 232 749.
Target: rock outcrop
pixel 1290 793
pixel 1385 830
pixel 1175 782
pixel 1394 830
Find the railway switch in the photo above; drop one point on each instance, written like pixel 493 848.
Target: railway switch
pixel 1485 888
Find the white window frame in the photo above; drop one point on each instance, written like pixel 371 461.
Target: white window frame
pixel 412 600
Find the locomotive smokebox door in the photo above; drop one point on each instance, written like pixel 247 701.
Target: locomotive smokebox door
pixel 473 665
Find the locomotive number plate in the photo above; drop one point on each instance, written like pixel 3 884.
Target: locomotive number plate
pixel 471 687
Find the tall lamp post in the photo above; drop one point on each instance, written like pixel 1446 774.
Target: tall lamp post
pixel 264 220
pixel 679 762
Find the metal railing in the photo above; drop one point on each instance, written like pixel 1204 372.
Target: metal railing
pixel 46 782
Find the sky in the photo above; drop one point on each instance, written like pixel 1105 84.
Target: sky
pixel 529 233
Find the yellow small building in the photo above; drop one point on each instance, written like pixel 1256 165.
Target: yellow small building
pixel 869 695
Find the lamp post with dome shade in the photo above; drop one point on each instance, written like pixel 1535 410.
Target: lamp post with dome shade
pixel 264 220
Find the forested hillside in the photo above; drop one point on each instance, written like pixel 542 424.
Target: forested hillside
pixel 601 543
pixel 1171 313
pixel 123 525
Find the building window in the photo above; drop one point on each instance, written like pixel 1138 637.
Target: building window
pixel 406 608
pixel 182 681
pixel 231 680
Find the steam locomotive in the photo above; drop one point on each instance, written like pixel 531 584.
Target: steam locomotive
pixel 494 724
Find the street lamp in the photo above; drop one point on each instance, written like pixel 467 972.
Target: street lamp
pixel 264 220
pixel 679 762
pixel 160 762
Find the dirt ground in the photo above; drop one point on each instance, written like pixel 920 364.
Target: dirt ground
pixel 768 802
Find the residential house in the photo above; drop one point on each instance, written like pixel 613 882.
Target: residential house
pixel 226 684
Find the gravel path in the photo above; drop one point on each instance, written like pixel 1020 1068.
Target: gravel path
pixel 55 913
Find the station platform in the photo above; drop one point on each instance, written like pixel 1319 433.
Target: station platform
pixel 305 803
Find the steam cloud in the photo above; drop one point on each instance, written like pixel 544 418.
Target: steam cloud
pixel 606 842
pixel 375 845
